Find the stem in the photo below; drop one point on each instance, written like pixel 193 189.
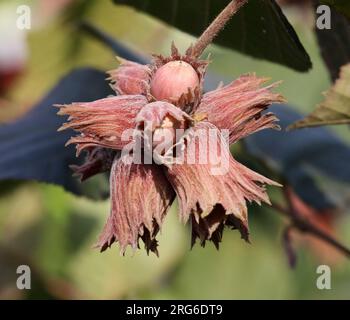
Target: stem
pixel 317 124
pixel 307 227
pixel 292 258
pixel 214 28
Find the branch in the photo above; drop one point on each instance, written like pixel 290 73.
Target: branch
pixel 214 28
pixel 305 226
pixel 287 243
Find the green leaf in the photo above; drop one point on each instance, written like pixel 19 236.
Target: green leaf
pixel 343 6
pixel 259 29
pixel 335 43
pixel 336 107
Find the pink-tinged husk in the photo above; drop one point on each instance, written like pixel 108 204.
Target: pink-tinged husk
pixel 212 227
pixel 131 78
pixel 155 112
pixel 238 106
pixel 140 198
pixel 173 80
pixel 190 100
pixel 102 122
pixel 159 121
pixel 98 160
pixel 199 65
pixel 212 201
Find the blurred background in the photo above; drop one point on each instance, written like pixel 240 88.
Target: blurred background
pixel 53 231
